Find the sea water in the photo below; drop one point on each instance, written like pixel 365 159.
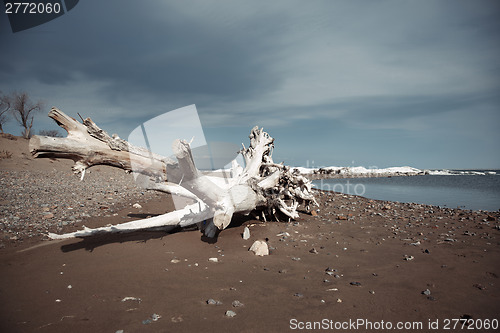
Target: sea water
pixel 476 192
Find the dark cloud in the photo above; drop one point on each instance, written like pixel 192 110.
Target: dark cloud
pixel 287 65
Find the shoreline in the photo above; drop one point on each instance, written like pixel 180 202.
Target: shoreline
pixel 351 257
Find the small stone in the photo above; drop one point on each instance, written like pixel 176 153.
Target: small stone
pixel 125 299
pixel 246 233
pixel 339 300
pixel 230 313
pixel 237 304
pixel 146 322
pixel 426 292
pixel 70 286
pixel 213 259
pixel 355 283
pixel 48 216
pixel 260 248
pixel 314 213
pixel 372 292
pixel 137 206
pixel 175 261
pixel 341 217
pixel 313 251
pixel 155 317
pixel 212 301
pixel 295 259
pixel 299 295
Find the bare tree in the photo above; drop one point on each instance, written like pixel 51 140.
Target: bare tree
pixel 24 110
pixel 4 109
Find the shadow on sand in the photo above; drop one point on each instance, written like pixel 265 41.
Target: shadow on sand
pixel 142 236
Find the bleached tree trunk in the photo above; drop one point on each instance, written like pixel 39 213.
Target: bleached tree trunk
pixel 260 185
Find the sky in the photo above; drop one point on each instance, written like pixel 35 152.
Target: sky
pixel 343 83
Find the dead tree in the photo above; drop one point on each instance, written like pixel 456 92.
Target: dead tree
pixel 24 110
pixel 260 186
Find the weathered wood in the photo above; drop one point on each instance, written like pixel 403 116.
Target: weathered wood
pixel 88 145
pixel 260 185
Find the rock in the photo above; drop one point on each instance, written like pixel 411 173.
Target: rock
pixel 137 206
pixel 212 301
pixel 314 213
pixel 426 292
pixel 48 216
pixel 175 261
pixel 237 304
pixel 355 283
pixel 341 217
pixel 246 233
pixel 230 313
pixel 213 259
pixel 313 251
pixel 299 295
pixel 260 248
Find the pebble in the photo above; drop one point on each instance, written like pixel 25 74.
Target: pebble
pixel 246 233
pixel 137 206
pixel 230 313
pixel 426 292
pixel 53 205
pixel 213 259
pixel 237 304
pixel 212 301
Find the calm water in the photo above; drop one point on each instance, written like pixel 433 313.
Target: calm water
pixel 464 191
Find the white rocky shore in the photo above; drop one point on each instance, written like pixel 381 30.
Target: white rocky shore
pixel 360 172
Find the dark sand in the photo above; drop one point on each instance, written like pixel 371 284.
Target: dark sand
pixel 365 253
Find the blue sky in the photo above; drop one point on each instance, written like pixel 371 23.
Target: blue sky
pixel 371 83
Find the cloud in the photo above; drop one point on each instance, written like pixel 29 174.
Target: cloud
pixel 384 65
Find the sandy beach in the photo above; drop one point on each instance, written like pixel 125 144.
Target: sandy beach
pixel 354 260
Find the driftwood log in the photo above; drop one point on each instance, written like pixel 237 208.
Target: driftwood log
pixel 261 186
